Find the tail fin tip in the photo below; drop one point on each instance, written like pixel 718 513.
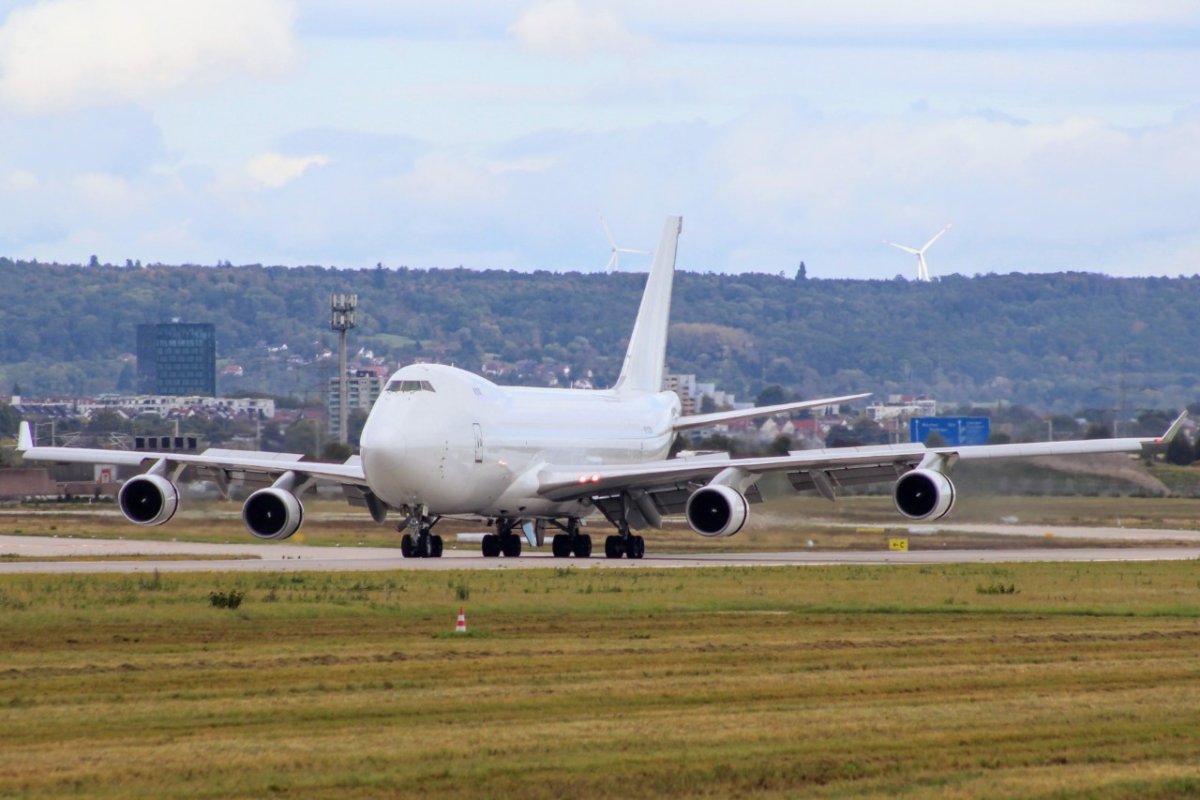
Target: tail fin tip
pixel 646 355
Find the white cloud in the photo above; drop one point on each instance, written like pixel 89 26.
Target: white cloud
pixel 20 180
pixel 563 29
pixel 64 54
pixel 449 183
pixel 1054 136
pixel 274 170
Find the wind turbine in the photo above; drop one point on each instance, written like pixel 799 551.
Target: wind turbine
pixel 922 268
pixel 614 259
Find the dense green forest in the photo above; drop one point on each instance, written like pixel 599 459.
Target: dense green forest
pixel 1058 342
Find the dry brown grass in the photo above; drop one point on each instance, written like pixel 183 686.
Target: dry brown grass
pixel 825 682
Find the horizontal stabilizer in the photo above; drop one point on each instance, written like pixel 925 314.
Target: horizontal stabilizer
pixel 721 417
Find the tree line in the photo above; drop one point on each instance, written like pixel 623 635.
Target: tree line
pixel 1056 342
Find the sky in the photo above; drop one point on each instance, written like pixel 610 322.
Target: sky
pixel 1053 135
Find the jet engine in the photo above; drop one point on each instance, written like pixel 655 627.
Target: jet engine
pixel 148 499
pixel 717 511
pixel 924 494
pixel 272 513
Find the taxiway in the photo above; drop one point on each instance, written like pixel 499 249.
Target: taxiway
pixel 37 554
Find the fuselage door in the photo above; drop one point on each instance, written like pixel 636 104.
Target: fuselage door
pixel 478 443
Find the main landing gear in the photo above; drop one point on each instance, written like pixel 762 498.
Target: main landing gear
pixel 625 544
pixel 571 541
pixel 424 544
pixel 503 540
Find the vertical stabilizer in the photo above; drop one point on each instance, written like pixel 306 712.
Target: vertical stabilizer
pixel 643 368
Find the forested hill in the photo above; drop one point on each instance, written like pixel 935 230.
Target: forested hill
pixel 1060 341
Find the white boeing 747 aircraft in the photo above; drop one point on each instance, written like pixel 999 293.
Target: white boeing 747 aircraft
pixel 442 442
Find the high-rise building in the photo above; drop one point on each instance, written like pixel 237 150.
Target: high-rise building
pixel 177 359
pixel 363 388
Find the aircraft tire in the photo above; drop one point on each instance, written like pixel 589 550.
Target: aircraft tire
pixel 491 545
pixel 407 548
pixel 435 546
pixel 583 546
pixel 635 547
pixel 614 547
pixel 511 546
pixel 560 545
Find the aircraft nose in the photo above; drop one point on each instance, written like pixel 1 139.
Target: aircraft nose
pixel 382 447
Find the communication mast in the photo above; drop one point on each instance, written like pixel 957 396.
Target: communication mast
pixel 342 317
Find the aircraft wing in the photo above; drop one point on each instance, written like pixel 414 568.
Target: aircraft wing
pixel 847 464
pixel 668 484
pixel 220 466
pixel 720 417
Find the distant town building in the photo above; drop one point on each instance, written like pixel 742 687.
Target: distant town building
pixel 177 359
pixel 902 407
pixel 165 406
pixel 175 405
pixel 363 387
pixel 691 392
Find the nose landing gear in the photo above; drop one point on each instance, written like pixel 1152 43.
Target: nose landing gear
pixel 425 544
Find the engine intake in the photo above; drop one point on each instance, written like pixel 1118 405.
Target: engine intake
pixel 717 511
pixel 148 499
pixel 924 494
pixel 272 513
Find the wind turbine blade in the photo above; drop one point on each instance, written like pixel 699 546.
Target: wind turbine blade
pixel 937 236
pixel 611 266
pixel 611 241
pixel 903 247
pixel 635 252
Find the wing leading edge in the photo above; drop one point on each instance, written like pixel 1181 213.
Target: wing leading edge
pixel 251 466
pixel 719 417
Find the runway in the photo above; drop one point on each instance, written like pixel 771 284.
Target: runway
pixel 268 557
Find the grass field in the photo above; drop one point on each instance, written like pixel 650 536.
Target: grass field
pixel 961 681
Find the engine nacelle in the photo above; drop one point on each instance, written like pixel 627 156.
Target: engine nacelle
pixel 924 494
pixel 148 499
pixel 272 513
pixel 717 511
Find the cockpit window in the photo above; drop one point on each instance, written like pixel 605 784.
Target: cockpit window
pixel 409 386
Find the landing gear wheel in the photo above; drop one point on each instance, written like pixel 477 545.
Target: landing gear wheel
pixel 491 545
pixel 583 546
pixel 408 548
pixel 560 545
pixel 435 546
pixel 635 547
pixel 511 545
pixel 614 547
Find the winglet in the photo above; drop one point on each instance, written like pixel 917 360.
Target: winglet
pixel 24 437
pixel 1173 430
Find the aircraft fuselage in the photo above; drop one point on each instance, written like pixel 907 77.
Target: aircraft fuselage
pixel 456 443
